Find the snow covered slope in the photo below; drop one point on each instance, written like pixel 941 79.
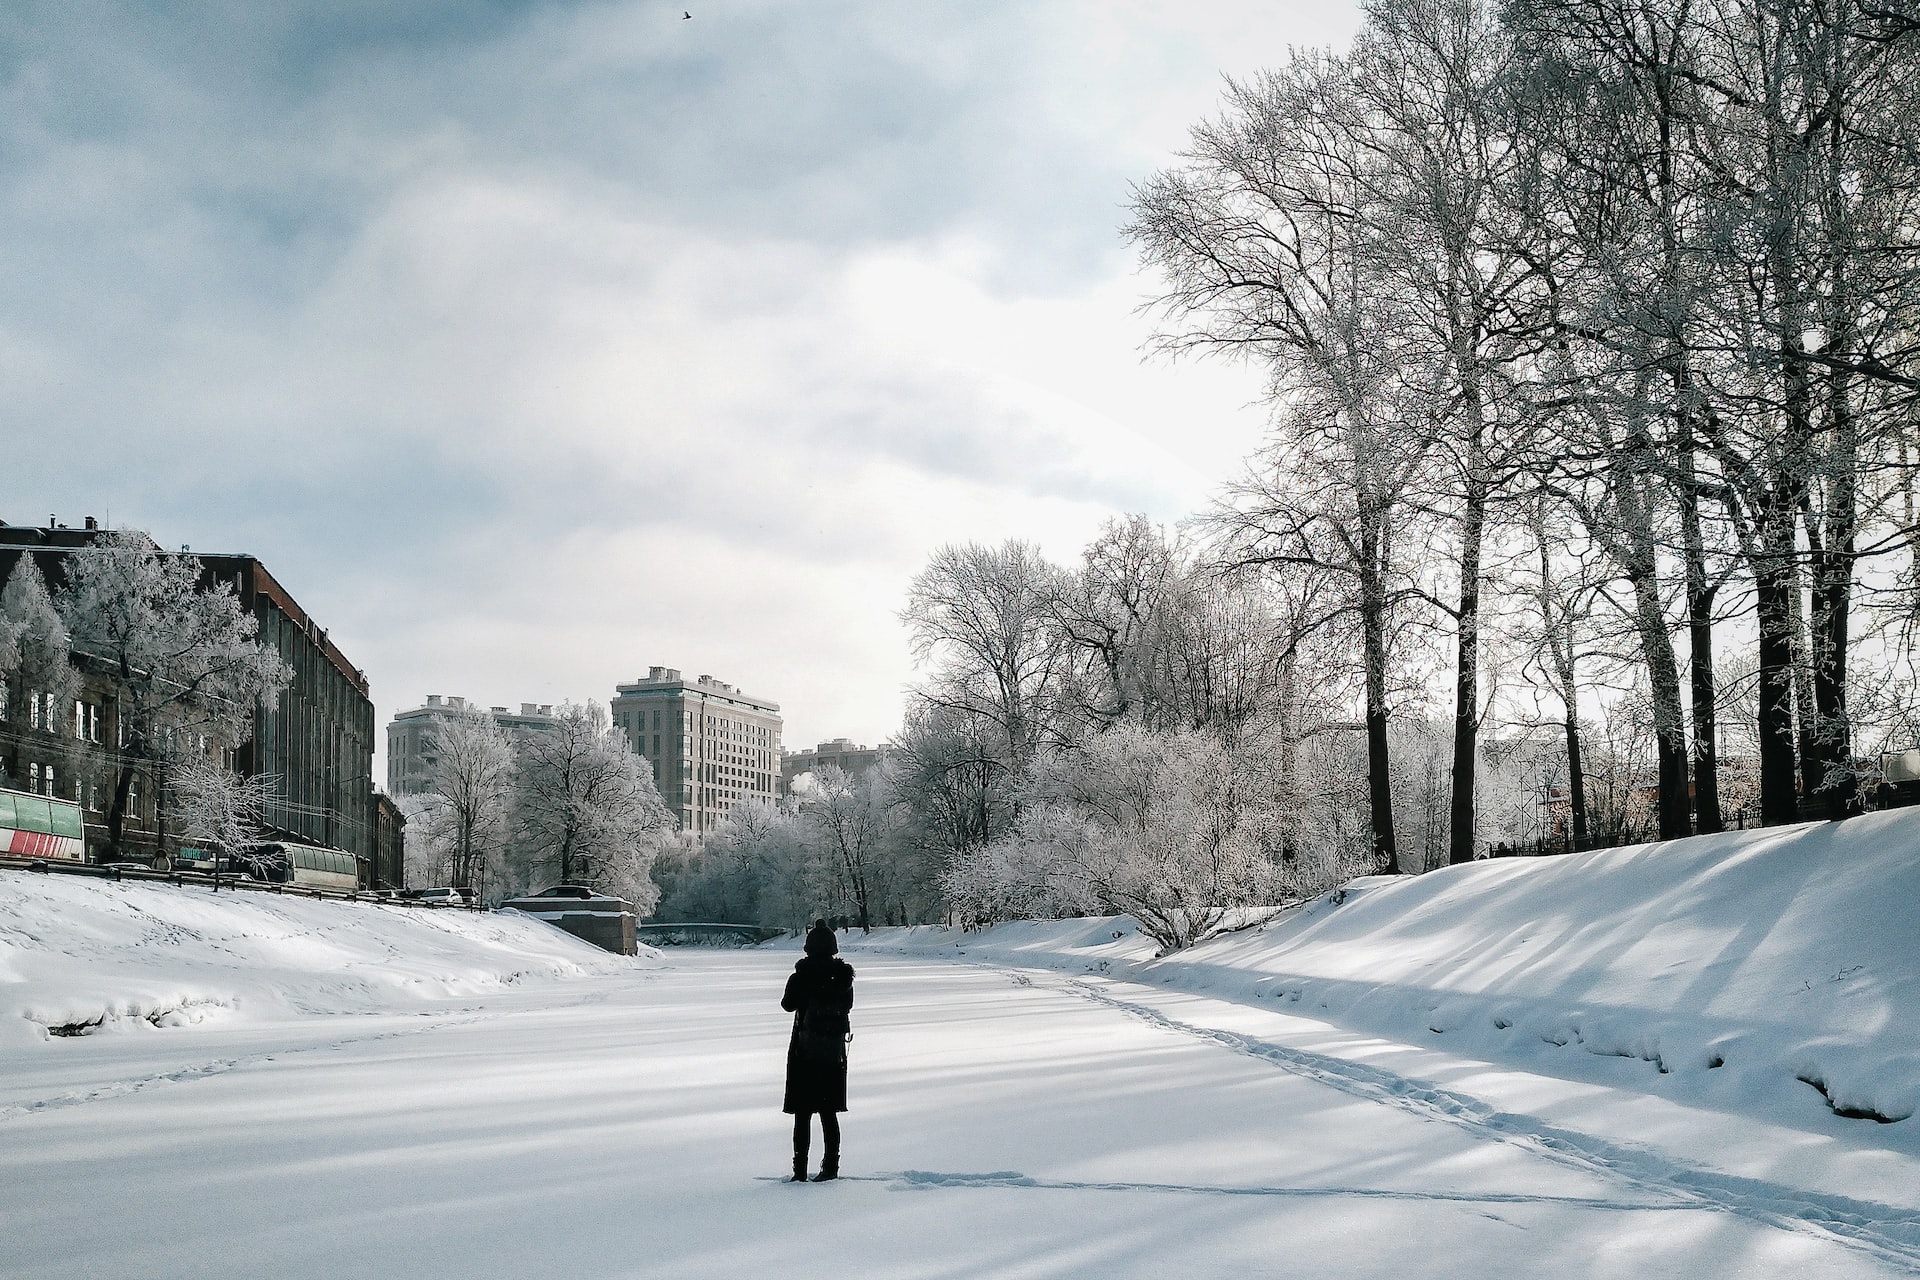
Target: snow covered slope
pixel 1773 972
pixel 86 956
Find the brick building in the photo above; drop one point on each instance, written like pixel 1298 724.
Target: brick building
pixel 316 741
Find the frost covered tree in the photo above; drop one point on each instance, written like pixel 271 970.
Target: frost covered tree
pixel 1172 829
pixel 463 821
pixel 176 650
pixel 984 620
pixel 214 808
pixel 849 821
pixel 34 658
pixel 586 810
pixel 1264 239
pixel 733 875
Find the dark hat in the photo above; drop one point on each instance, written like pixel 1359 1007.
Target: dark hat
pixel 820 940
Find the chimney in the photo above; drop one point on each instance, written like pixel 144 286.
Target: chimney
pixel 92 523
pixel 433 699
pixel 656 673
pixel 529 709
pixel 546 708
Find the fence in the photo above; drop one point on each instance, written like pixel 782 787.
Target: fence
pixel 391 897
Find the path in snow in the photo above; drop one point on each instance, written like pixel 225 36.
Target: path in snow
pixel 1887 1230
pixel 628 1125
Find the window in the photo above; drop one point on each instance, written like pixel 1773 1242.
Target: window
pixel 133 803
pixel 3 699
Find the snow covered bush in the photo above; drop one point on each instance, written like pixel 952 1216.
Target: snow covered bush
pixel 1172 829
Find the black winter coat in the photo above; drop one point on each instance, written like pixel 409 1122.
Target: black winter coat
pixel 815 1082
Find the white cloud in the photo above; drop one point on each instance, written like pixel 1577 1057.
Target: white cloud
pixel 531 354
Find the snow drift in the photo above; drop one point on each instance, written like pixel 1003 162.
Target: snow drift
pixel 1764 971
pixel 80 957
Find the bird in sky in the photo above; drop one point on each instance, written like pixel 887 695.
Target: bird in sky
pixel 684 15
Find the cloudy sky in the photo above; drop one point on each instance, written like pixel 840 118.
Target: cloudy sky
pixel 532 344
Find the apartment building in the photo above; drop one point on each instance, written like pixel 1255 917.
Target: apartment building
pixel 843 753
pixel 711 746
pixel 410 736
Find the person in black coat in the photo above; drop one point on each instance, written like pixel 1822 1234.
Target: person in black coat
pixel 819 995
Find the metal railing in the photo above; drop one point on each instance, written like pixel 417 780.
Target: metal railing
pixel 228 881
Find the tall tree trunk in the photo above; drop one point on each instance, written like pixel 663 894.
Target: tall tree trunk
pixel 1576 782
pixel 1289 754
pixel 1373 629
pixel 1700 597
pixel 1832 568
pixel 1784 688
pixel 1641 563
pixel 1812 764
pixel 1556 629
pixel 1669 728
pixel 1773 603
pixel 1466 689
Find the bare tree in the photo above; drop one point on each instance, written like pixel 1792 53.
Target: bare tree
pixel 1265 242
pixel 984 618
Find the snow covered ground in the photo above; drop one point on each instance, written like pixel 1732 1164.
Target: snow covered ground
pixel 1771 973
pixel 510 1103
pixel 92 957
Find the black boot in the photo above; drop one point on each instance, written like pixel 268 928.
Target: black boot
pixel 830 1167
pixel 802 1136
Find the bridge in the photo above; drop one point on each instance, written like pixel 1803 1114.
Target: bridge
pixel 705 935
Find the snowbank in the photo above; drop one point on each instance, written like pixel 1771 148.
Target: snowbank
pixel 79 957
pixel 1740 971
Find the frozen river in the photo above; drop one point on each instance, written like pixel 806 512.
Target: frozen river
pixel 1003 1124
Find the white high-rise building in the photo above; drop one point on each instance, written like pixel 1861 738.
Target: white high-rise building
pixel 711 745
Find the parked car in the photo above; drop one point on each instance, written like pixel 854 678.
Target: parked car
pixel 442 897
pixel 565 891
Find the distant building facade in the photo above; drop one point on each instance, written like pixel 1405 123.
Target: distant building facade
pixel 711 746
pixel 843 753
pixel 389 843
pixel 411 742
pixel 316 741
